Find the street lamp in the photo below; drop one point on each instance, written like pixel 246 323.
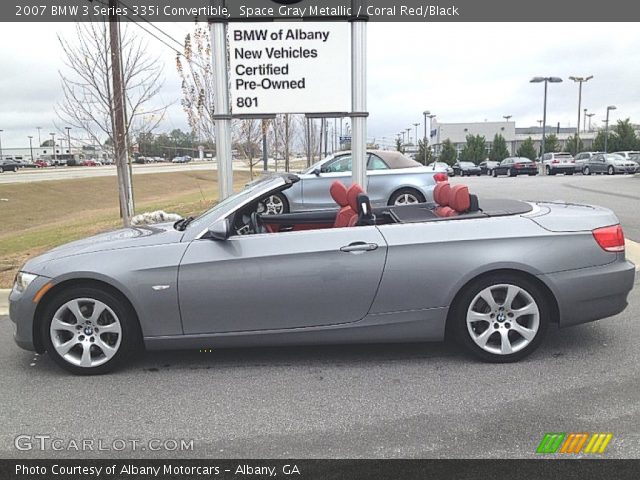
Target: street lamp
pixel 39 141
pixel 53 139
pixel 606 130
pixel 68 129
pixel 546 81
pixel 31 146
pixel 590 115
pixel 409 135
pixel 425 114
pixel 1 144
pixel 416 125
pixel 507 117
pixel 580 81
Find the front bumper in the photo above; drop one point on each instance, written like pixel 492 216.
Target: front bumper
pixel 593 293
pixel 22 311
pixel 618 169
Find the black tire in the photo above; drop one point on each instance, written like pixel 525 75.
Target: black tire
pixel 406 191
pixel 457 322
pixel 511 173
pixel 611 170
pixel 130 341
pixel 478 174
pixel 586 171
pixel 494 173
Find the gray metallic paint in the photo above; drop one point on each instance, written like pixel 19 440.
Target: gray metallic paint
pixel 299 288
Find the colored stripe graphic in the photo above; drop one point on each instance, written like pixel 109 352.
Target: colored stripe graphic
pixel 550 443
pixel 573 443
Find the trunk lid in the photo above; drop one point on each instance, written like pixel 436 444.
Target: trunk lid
pixel 572 217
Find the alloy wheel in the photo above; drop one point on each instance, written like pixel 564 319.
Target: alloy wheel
pixel 85 332
pixel 273 205
pixel 503 319
pixel 406 199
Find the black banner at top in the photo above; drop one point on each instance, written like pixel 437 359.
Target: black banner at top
pixel 330 10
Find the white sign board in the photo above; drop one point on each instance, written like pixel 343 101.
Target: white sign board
pixel 286 67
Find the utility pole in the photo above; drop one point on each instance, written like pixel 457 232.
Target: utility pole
pixel 1 144
pixel 30 146
pixel 53 141
pixel 118 120
pixel 39 140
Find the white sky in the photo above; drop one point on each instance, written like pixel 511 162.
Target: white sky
pixel 460 71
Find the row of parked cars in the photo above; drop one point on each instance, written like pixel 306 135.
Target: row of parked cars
pixel 586 163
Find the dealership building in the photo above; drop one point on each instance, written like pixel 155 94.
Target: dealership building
pixel 515 137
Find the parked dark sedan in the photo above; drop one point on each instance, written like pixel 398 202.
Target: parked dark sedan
pixel 466 168
pixel 514 166
pixel 487 166
pixel 9 166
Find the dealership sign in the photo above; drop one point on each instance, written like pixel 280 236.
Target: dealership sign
pixel 290 67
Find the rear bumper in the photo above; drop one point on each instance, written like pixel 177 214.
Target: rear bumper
pixel 593 293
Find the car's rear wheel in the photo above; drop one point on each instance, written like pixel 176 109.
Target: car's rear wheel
pixel 510 173
pixel 275 204
pixel 611 170
pixel 500 318
pixel 494 173
pixel 406 196
pixel 89 331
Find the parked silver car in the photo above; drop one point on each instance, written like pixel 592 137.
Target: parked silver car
pixel 478 269
pixel 609 163
pixel 558 163
pixel 393 179
pixel 582 158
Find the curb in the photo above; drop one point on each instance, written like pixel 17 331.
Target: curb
pixel 4 301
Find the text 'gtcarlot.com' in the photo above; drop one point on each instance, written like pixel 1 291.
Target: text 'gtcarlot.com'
pixel 48 443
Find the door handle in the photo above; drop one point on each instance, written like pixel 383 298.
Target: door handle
pixel 359 247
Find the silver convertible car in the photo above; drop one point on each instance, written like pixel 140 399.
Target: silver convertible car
pixel 392 179
pixel 492 274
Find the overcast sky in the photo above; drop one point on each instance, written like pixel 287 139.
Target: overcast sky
pixel 460 71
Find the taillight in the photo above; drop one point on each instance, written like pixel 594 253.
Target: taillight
pixel 518 165
pixel 556 161
pixel 610 238
pixel 441 177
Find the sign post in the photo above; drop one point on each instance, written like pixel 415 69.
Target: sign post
pixel 359 97
pixel 223 111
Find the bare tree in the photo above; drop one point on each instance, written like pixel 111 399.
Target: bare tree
pixel 88 100
pixel 283 135
pixel 247 134
pixel 196 72
pixel 309 137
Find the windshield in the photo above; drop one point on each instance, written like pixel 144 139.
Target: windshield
pixel 235 200
pixel 317 165
pixel 614 157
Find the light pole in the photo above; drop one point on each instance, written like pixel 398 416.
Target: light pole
pixel 409 135
pixel 590 115
pixel 1 144
pixel 68 129
pixel 425 114
pixel 53 140
pixel 579 81
pixel 546 81
pixel 507 117
pixel 584 125
pixel 539 123
pixel 31 146
pixel 416 125
pixel 606 130
pixel 39 141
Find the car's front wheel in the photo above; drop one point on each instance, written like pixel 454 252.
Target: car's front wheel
pixel 500 318
pixel 406 196
pixel 89 331
pixel 586 171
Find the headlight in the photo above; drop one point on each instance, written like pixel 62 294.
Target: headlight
pixel 23 280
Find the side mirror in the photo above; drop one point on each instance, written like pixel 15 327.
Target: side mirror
pixel 220 230
pixel 317 172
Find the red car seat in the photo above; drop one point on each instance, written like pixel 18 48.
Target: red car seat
pixel 459 198
pixel 339 194
pixel 441 194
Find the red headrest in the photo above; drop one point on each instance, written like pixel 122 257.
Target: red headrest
pixel 441 193
pixel 339 193
pixel 352 196
pixel 459 198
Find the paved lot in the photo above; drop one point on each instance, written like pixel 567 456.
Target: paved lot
pixel 418 400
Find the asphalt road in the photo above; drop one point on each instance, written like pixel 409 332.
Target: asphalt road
pixel 412 400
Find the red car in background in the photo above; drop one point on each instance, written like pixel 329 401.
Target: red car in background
pixel 90 163
pixel 41 164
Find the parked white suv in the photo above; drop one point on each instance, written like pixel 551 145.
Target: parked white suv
pixel 558 163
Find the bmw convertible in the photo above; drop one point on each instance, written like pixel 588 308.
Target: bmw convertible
pixel 492 274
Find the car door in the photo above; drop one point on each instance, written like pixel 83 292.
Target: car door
pixel 280 281
pixel 597 164
pixel 315 187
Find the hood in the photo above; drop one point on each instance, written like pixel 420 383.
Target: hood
pixel 123 238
